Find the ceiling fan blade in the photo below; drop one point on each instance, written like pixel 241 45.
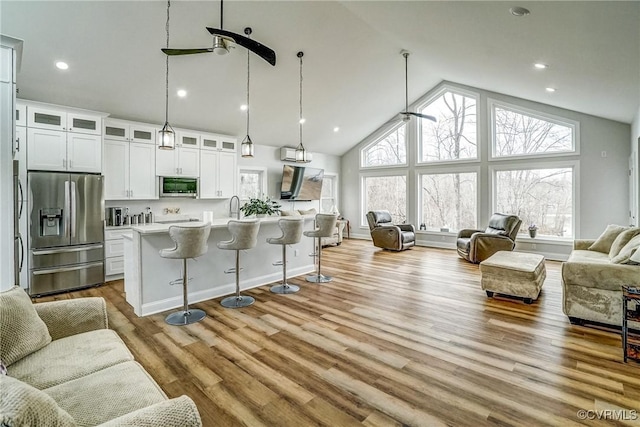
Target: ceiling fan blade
pixel 258 48
pixel 186 51
pixel 422 116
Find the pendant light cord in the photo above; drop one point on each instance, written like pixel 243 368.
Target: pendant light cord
pixel 300 54
pixel 248 80
pixel 406 81
pixel 166 84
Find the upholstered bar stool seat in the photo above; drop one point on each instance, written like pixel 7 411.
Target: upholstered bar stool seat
pixel 325 224
pixel 244 235
pixel 291 234
pixel 191 242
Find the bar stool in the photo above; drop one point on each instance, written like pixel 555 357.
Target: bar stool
pixel 291 233
pixel 191 242
pixel 326 223
pixel 244 235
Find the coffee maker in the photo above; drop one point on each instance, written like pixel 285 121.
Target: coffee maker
pixel 115 216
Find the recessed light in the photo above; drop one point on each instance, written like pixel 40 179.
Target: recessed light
pixel 519 11
pixel 62 65
pixel 243 107
pixel 550 89
pixel 540 65
pixel 336 129
pixel 182 93
pixel 303 120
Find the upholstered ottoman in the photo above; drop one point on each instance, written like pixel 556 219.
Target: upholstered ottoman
pixel 513 273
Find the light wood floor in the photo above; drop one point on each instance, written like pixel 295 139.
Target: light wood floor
pixel 396 339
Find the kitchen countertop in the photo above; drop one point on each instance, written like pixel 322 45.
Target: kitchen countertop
pixel 216 223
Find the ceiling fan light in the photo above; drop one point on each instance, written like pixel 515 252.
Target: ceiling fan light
pixel 219 46
pixel 167 137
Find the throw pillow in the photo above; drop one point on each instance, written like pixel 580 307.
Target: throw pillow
pixel 627 251
pixel 604 242
pixel 622 239
pixel 311 211
pixel 24 405
pixel 289 213
pixel 21 330
pixel 635 258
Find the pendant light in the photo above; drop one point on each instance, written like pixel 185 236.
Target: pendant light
pixel 301 152
pixel 167 134
pixel 246 148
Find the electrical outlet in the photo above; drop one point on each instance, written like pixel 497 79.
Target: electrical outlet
pixel 603 154
pixel 443 238
pixel 533 246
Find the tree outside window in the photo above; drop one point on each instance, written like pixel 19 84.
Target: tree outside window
pixel 454 135
pixel 449 201
pixel 543 197
pixel 389 150
pixel 520 134
pixel 388 193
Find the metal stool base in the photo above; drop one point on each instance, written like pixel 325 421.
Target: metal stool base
pixel 237 301
pixel 318 278
pixel 181 318
pixel 285 289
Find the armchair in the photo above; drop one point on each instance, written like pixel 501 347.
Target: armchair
pixel 477 245
pixel 395 237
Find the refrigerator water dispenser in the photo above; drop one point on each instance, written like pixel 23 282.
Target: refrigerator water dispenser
pixel 51 222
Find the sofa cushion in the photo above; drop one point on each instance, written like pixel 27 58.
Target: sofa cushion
pixel 627 251
pixel 107 394
pixel 21 330
pixel 578 255
pixel 605 240
pixel 289 213
pixel 71 357
pixel 622 239
pixel 23 405
pixel 311 211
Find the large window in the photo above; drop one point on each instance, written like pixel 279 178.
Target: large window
pixel 329 198
pixel 542 196
pixel 517 132
pixel 385 192
pixel 454 135
pixel 390 150
pixel 448 201
pixel 252 183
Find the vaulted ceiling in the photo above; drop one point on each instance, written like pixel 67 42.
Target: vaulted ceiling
pixel 353 72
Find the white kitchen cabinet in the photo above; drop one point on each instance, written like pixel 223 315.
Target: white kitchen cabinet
pixel 54 150
pixel 59 119
pixel 21 157
pixel 218 174
pixel 215 142
pixel 129 170
pixel 114 252
pixel 129 131
pixel 188 139
pixel 181 161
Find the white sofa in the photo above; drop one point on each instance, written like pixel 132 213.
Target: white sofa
pixel 66 368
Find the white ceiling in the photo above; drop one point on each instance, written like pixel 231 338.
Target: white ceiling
pixel 353 72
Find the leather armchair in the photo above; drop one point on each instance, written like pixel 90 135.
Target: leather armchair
pixel 500 235
pixel 385 235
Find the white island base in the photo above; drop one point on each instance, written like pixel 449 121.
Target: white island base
pixel 147 276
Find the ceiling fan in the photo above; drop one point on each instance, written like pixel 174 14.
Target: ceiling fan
pixel 222 40
pixel 406 113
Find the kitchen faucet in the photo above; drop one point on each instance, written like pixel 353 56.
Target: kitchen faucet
pixel 237 212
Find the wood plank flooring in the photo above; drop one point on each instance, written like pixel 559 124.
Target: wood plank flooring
pixel 397 339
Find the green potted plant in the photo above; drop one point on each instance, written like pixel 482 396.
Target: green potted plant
pixel 533 230
pixel 260 207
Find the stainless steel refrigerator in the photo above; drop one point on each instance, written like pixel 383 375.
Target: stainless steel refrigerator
pixel 66 231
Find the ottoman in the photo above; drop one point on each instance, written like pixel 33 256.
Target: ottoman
pixel 513 273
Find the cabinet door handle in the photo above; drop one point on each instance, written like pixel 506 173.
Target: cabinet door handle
pixel 70 164
pixel 126 193
pixel 18 144
pixel 131 193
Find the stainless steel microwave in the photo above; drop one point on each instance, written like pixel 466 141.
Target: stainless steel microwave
pixel 178 187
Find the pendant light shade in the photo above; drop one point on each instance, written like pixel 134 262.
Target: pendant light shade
pixel 246 148
pixel 167 134
pixel 301 152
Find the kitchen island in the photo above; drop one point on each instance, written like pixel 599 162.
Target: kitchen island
pixel 148 277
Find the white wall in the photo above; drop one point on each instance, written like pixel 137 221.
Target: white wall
pixel 603 184
pixel 265 157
